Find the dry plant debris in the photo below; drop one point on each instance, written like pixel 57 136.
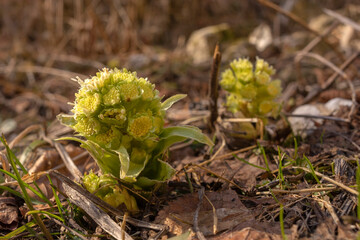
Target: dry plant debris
pixel 279 185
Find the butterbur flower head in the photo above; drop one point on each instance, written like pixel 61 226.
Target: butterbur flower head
pixel 88 126
pixel 117 102
pixel 140 126
pixel 251 89
pixel 129 91
pixel 87 103
pixel 122 118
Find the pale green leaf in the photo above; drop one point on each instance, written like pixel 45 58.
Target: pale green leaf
pixel 172 135
pixel 124 160
pixel 171 100
pixel 156 171
pixel 107 161
pixel 67 119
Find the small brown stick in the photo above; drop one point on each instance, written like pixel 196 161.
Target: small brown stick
pixel 123 225
pixel 218 176
pixel 350 190
pixel 199 234
pixel 341 73
pixel 317 116
pixel 330 208
pixel 215 218
pixel 213 88
pixel 306 190
pixel 308 48
pixel 331 79
pixel 234 152
pixel 47 70
pixel 298 20
pixel 25 132
pixel 70 165
pixel 343 19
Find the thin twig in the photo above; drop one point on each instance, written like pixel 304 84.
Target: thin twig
pixel 330 208
pixel 350 190
pixel 342 74
pixel 199 234
pixel 316 116
pixel 70 165
pixel 315 92
pixel 308 48
pixel 215 218
pixel 105 205
pixel 67 75
pixel 213 88
pixel 217 175
pixel 343 19
pixel 306 190
pixel 24 133
pixel 298 20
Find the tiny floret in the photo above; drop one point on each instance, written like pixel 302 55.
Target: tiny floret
pixel 140 126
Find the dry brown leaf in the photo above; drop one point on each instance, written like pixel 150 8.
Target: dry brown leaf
pixel 9 217
pixel 178 216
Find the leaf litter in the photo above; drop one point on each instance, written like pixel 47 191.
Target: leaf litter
pixel 240 201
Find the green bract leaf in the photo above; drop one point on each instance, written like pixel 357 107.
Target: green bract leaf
pixel 131 168
pixel 172 135
pixel 124 160
pixel 67 119
pixel 171 100
pixel 108 162
pixel 156 172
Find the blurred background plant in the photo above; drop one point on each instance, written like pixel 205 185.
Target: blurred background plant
pixel 251 93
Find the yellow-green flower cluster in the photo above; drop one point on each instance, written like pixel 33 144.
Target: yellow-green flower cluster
pixel 108 189
pixel 251 90
pixel 116 107
pixel 122 118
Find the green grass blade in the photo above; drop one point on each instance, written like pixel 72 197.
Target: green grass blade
pixel 57 200
pixel 244 161
pixel 46 213
pixel 358 187
pixel 41 196
pixel 281 218
pixel 12 191
pixel 312 169
pixel 12 161
pixel 281 175
pixel 265 158
pixel 33 233
pixel 19 230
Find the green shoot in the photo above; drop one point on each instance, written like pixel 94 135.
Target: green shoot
pixel 19 230
pixel 40 195
pixel 358 187
pixel 57 200
pixel 312 169
pixel 281 176
pixel 12 160
pixel 253 165
pixel 265 158
pixel 281 216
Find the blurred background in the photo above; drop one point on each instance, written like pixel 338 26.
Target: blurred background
pixel 45 43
